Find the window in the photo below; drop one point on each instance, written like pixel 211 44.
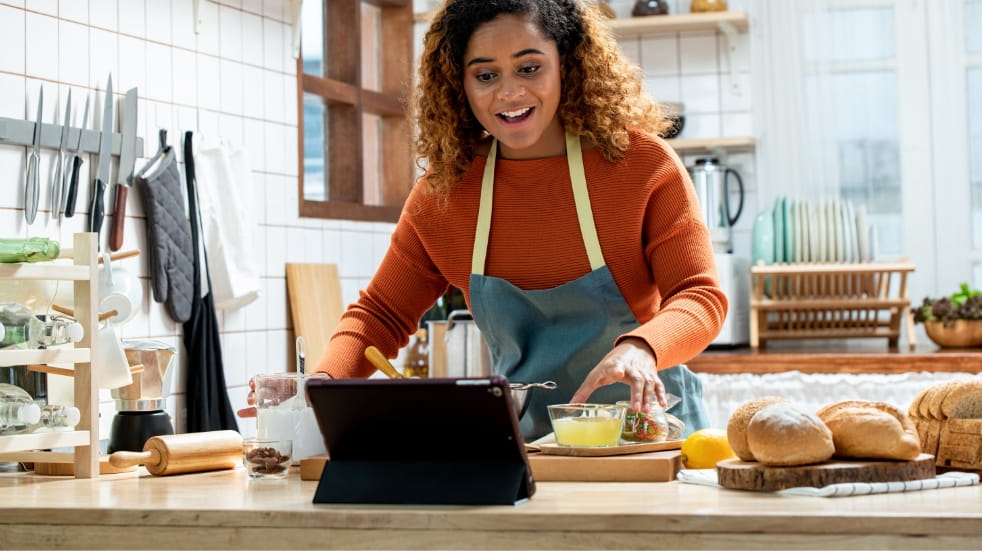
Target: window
pixel 355 75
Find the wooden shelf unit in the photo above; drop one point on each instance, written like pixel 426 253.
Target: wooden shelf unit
pixel 686 146
pixel 85 438
pixel 683 22
pixel 830 301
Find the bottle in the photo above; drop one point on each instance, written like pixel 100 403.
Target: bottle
pixel 55 417
pixel 33 249
pixel 21 329
pixel 18 412
pixel 649 7
pixel 417 361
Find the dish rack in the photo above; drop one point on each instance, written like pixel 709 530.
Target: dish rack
pixel 85 438
pixel 830 301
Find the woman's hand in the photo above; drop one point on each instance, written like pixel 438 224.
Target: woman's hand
pixel 276 389
pixel 630 362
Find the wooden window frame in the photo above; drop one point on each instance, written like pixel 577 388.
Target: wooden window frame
pixel 346 101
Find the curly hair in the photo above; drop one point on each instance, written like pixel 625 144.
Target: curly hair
pixel 602 93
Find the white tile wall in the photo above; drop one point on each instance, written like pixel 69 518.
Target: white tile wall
pixel 233 80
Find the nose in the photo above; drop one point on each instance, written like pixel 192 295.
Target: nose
pixel 511 88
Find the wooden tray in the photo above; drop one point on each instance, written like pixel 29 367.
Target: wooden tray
pixel 750 475
pixel 551 448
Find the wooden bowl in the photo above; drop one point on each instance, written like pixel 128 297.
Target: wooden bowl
pixel 960 334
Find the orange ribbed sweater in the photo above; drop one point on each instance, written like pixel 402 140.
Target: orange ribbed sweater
pixel 647 219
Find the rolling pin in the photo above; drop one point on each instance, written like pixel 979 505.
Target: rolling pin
pixel 185 453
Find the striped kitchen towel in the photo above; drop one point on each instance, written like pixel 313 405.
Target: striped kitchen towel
pixel 707 477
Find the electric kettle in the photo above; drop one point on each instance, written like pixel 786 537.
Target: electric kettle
pixel 712 183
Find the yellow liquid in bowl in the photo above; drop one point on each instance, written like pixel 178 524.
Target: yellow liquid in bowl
pixel 587 431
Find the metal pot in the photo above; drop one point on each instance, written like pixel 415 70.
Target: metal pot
pixel 457 348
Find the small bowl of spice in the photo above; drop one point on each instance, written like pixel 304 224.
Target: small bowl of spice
pixel 267 458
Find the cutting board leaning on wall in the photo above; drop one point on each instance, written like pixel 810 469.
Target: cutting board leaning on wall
pixel 314 291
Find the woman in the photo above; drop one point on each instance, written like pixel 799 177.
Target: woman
pixel 572 231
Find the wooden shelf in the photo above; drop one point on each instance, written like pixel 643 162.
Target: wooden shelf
pixel 633 26
pixel 709 145
pixel 684 22
pixel 84 275
pixel 46 356
pixel 44 440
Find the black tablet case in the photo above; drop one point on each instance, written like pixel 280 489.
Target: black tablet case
pixel 420 441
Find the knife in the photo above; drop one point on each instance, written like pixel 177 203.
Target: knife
pixel 60 181
pixel 71 191
pixel 124 178
pixel 31 186
pixel 97 209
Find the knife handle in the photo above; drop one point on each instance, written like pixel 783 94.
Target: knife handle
pixel 98 209
pixel 73 187
pixel 119 214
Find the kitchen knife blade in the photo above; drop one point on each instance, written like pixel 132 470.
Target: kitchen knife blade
pixel 97 209
pixel 127 158
pixel 71 192
pixel 60 181
pixel 32 184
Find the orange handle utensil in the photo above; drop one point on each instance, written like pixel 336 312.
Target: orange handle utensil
pixel 375 356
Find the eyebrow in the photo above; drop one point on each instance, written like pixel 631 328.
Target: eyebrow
pixel 525 52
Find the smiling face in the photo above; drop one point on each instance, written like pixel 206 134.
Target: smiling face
pixel 512 82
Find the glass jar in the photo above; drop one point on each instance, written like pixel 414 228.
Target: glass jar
pixel 700 6
pixel 416 363
pixel 644 427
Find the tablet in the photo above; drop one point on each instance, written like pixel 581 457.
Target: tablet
pixel 420 441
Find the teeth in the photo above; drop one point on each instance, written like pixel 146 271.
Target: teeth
pixel 513 114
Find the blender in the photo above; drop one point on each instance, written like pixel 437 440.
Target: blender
pixel 140 406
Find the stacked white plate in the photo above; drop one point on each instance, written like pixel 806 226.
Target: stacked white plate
pixel 832 230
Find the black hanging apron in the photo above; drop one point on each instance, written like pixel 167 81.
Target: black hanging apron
pixel 208 406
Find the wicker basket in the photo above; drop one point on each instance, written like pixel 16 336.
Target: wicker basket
pixel 830 301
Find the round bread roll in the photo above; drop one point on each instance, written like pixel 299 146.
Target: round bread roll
pixel 872 433
pixel 736 428
pixel 782 435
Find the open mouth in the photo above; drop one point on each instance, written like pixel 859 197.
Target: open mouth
pixel 518 115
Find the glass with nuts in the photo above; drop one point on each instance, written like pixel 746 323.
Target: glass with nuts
pixel 267 458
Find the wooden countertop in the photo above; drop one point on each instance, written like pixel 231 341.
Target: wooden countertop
pixel 858 356
pixel 227 510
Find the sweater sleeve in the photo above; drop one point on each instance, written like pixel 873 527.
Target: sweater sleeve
pixel 388 310
pixel 679 253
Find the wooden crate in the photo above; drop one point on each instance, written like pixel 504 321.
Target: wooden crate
pixel 830 301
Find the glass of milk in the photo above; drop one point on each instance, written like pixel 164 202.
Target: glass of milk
pixel 283 413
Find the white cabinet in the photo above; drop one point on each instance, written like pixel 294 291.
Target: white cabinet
pixel 83 274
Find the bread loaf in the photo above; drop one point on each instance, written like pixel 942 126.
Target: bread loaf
pixel 964 401
pixel 782 435
pixel 871 430
pixel 736 428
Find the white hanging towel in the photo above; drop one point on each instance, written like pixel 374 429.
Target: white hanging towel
pixel 225 192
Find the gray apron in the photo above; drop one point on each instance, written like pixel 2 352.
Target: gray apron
pixel 560 334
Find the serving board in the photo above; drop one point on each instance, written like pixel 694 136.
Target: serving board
pixel 551 448
pixel 750 475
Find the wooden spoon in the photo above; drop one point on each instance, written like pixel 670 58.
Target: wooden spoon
pixel 380 362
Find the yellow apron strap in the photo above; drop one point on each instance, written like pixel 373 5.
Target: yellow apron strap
pixel 581 196
pixel 484 213
pixel 584 212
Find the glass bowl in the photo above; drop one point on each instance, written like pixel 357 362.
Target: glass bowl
pixel 644 427
pixel 587 425
pixel 267 458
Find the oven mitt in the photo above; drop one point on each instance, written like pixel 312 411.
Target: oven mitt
pixel 168 236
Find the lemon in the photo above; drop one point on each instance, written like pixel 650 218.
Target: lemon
pixel 704 448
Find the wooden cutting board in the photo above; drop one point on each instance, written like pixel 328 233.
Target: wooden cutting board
pixel 314 291
pixel 750 475
pixel 552 448
pixel 660 466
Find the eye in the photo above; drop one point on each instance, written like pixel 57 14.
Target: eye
pixel 529 69
pixel 485 76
